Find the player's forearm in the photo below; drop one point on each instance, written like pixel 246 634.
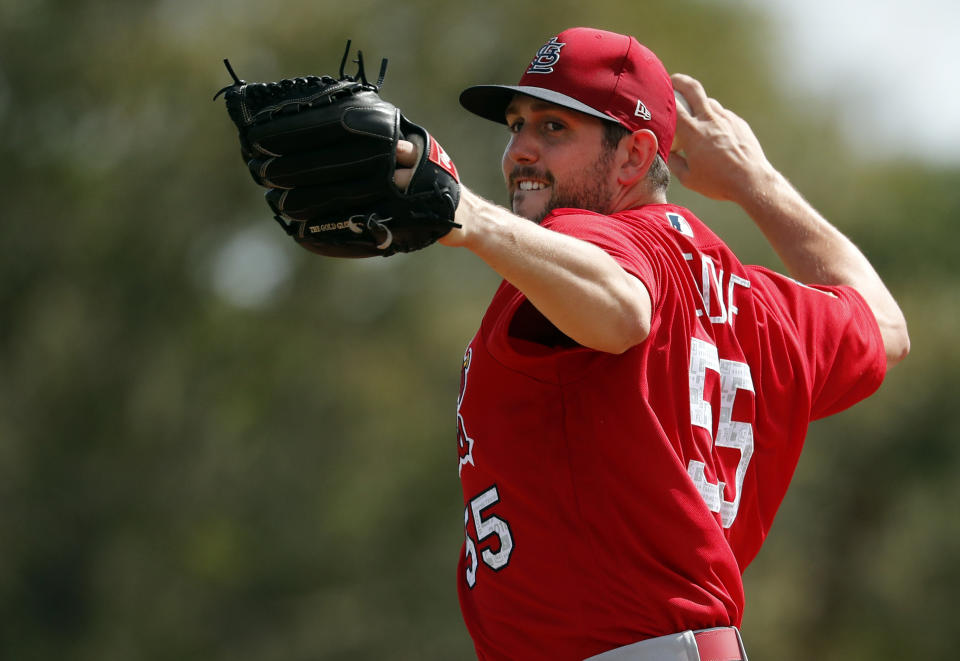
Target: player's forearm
pixel 576 285
pixel 723 160
pixel 810 247
pixel 815 252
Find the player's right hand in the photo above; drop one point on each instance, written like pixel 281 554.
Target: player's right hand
pixel 722 158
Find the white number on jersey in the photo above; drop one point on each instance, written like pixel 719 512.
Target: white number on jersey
pixel 734 376
pixel 491 526
pixel 471 552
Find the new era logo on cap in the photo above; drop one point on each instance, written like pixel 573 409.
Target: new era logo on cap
pixel 642 111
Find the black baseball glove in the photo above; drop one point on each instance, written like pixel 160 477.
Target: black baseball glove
pixel 326 150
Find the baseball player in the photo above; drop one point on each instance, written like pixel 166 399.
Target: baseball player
pixel 635 401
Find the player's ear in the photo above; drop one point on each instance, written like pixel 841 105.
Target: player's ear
pixel 636 152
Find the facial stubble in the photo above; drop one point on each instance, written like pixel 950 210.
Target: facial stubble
pixel 591 192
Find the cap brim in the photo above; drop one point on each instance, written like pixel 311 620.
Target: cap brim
pixel 491 101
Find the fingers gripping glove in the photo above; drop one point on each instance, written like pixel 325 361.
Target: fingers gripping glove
pixel 325 149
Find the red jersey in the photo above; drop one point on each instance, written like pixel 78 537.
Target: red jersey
pixel 613 498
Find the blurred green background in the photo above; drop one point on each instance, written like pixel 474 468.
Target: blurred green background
pixel 215 445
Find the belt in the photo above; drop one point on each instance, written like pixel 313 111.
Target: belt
pixel 719 644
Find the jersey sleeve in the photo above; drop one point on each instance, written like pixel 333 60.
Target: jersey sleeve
pixel 838 337
pixel 632 254
pixel 627 245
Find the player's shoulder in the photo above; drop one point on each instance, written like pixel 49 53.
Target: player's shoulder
pixel 587 225
pixel 571 217
pixel 654 226
pixel 672 221
pixel 665 218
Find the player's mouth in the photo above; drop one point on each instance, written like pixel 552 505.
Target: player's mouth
pixel 525 178
pixel 528 184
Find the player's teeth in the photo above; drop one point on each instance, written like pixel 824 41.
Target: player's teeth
pixel 531 185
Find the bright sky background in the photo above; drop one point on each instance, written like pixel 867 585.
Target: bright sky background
pixel 892 67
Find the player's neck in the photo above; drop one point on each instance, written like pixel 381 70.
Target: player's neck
pixel 637 196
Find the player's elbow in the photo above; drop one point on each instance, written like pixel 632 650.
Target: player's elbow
pixel 631 330
pixel 896 342
pixel 633 321
pixel 616 318
pixel 892 324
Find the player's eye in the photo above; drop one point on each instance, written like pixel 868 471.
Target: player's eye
pixel 553 126
pixel 515 125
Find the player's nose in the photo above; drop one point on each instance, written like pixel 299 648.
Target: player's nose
pixel 521 149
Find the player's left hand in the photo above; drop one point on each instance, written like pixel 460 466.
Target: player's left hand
pixel 408 155
pixel 324 148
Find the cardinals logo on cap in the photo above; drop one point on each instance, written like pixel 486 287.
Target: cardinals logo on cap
pixel 547 57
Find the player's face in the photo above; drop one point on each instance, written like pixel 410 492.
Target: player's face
pixel 555 158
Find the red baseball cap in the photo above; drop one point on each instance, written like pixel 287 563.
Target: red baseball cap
pixel 603 74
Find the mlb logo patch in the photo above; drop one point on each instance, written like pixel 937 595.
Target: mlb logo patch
pixel 679 223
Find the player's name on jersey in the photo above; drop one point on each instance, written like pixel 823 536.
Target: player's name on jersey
pixel 715 285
